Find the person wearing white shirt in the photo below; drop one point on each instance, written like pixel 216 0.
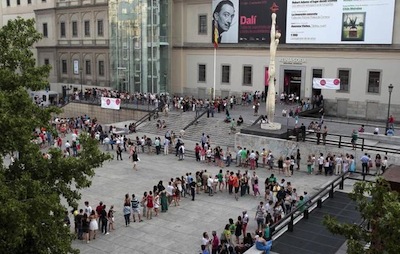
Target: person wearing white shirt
pixel 338 165
pixel 166 146
pixel 170 190
pixel 210 182
pixel 106 142
pixel 74 136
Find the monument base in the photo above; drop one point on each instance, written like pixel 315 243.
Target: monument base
pixel 271 126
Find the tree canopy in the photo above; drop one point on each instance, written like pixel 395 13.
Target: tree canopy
pixel 380 208
pixel 33 190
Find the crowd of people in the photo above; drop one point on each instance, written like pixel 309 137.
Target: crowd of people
pixel 279 196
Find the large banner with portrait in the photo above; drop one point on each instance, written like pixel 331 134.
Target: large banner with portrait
pixel 247 21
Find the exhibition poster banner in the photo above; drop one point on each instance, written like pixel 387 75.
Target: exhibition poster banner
pixel 246 21
pixel 340 21
pixel 110 103
pixel 326 83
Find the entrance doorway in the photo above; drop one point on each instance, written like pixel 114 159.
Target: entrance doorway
pixel 316 73
pixel 292 82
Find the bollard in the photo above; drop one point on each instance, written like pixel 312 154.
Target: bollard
pixel 319 203
pixel 290 225
pixel 306 214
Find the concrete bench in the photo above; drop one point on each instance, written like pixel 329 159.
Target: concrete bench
pixel 253 250
pixel 380 137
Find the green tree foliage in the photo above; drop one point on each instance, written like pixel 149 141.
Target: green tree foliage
pixel 33 189
pixel 380 207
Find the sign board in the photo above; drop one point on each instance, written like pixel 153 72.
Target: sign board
pixel 110 103
pixel 340 21
pixel 76 67
pixel 326 83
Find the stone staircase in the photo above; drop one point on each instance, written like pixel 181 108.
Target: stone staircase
pixel 215 126
pixel 175 121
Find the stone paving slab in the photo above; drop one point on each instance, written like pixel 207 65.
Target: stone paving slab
pixel 180 229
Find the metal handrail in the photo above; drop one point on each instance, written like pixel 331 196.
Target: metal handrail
pixel 343 142
pixel 196 119
pixel 317 198
pixel 148 115
pixel 257 120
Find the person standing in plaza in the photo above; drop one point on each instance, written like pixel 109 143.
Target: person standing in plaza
pixel 354 137
pixel 93 226
pixel 150 205
pixel 104 220
pixel 215 243
pixel 135 208
pixel 384 164
pixel 157 144
pixel 111 219
pixel 127 210
pixel 309 164
pixel 245 221
pixel 135 159
pixel 259 217
pixel 298 159
pixel 338 164
pixel 324 134
pixel 364 163
pixel 378 163
pixel 352 165
pixel 236 185
pixel 391 122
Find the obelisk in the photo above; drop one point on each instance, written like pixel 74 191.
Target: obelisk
pixel 270 105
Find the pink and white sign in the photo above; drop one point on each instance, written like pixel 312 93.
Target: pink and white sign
pixel 110 103
pixel 326 83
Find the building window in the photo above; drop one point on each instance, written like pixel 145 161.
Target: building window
pixel 46 61
pixel 247 75
pixel 62 29
pixel 8 2
pixel 43 1
pixel 29 1
pixel 64 69
pixel 202 73
pixel 88 67
pixel 101 68
pixel 74 28
pixel 344 76
pixel 100 28
pixel 226 72
pixel 87 28
pixel 203 24
pixel 18 2
pixel 374 80
pixel 45 32
pixel 317 73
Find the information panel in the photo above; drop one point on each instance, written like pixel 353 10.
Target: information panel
pixel 340 21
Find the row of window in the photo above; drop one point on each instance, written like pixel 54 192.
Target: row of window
pixel 88 67
pixel 373 83
pixel 8 2
pixel 63 32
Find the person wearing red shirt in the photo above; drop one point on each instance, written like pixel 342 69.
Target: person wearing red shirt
pixel 214 243
pixel 391 122
pixel 197 150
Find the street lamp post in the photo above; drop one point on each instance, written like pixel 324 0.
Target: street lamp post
pixel 388 113
pixel 81 72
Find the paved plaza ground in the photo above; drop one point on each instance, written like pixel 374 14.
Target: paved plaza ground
pixel 180 229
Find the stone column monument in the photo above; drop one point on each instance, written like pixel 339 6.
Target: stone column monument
pixel 270 105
